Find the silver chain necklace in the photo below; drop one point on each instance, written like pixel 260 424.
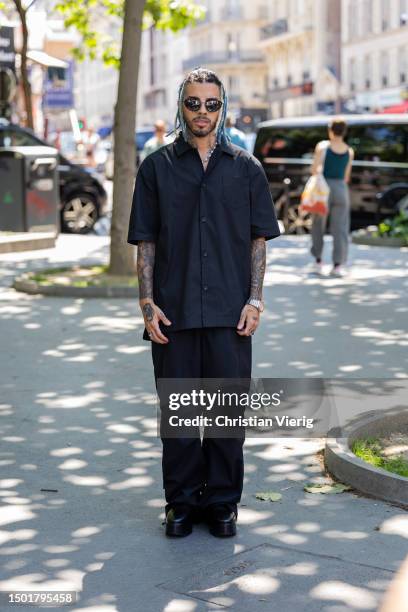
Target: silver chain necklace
pixel 209 153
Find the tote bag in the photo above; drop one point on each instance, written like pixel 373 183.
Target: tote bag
pixel 315 195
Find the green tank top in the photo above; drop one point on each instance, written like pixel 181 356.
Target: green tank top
pixel 335 164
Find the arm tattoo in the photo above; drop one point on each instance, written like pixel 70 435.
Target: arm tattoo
pixel 145 265
pixel 258 264
pixel 148 311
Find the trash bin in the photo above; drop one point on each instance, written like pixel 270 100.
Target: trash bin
pixel 29 189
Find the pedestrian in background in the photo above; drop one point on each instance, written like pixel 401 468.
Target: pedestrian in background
pixel 235 135
pixel 338 158
pixel 157 141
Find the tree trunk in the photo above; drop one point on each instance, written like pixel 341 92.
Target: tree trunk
pixel 24 71
pixel 122 256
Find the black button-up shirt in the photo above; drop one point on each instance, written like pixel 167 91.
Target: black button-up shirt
pixel 202 223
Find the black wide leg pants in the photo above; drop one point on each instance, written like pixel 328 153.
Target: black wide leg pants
pixel 195 473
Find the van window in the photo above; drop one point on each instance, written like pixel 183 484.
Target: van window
pixel 379 142
pixel 294 142
pixel 370 142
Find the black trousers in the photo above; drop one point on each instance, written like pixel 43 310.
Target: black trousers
pixel 195 473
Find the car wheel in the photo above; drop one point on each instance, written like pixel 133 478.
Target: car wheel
pixel 294 220
pixel 79 214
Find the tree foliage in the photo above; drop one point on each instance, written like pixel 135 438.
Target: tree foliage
pixel 87 18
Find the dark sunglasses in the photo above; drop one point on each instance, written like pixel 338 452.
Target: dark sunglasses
pixel 212 105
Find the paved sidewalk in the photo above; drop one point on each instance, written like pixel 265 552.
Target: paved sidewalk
pixel 78 418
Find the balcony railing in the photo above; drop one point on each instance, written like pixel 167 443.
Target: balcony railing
pixel 231 12
pixel 305 88
pixel 276 28
pixel 234 99
pixel 223 57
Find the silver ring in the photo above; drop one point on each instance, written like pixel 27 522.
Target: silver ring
pixel 150 334
pixel 252 333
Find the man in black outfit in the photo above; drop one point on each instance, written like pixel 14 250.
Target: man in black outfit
pixel 201 214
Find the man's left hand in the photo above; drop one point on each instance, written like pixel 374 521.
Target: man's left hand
pixel 248 321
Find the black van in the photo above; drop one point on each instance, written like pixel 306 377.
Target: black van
pixel 379 179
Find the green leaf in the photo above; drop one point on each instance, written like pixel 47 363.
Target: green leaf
pixel 268 496
pixel 85 17
pixel 328 488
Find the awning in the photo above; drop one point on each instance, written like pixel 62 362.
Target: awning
pixel 40 57
pixel 397 108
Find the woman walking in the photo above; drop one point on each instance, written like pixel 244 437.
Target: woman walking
pixel 336 157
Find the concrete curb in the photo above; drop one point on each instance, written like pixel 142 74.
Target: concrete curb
pixel 348 468
pixel 367 239
pixel 27 285
pixel 27 241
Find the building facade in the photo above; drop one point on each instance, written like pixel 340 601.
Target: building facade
pixel 160 73
pixel 226 41
pixel 374 53
pixel 302 46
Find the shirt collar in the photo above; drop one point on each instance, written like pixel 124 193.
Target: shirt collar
pixel 181 146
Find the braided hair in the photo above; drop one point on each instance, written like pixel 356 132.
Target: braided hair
pixel 202 75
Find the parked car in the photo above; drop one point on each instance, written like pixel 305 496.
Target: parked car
pixel 379 180
pixel 83 198
pixel 141 137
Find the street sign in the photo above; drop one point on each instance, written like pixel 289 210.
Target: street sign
pixel 7 51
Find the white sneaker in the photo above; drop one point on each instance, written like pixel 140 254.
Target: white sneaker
pixel 317 268
pixel 338 271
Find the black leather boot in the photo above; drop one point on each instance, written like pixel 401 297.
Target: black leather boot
pixel 221 521
pixel 179 521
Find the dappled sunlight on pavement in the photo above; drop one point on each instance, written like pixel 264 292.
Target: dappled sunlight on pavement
pixel 80 460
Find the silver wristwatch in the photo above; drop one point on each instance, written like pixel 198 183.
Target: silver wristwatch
pixel 257 303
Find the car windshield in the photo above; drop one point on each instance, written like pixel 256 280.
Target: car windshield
pixel 142 137
pixel 10 137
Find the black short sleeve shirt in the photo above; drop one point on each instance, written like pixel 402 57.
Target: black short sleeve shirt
pixel 202 223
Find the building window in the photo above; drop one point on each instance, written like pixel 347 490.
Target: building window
pixel 352 74
pixel 352 21
pixel 385 68
pixel 403 12
pixel 403 64
pixel 367 71
pixel 367 17
pixel 385 14
pixel 233 83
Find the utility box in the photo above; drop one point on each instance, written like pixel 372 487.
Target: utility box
pixel 29 189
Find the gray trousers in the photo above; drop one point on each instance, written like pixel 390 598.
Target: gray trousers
pixel 339 224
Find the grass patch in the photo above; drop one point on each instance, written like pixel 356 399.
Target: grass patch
pixel 90 276
pixel 371 450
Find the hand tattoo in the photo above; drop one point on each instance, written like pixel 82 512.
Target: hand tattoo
pixel 148 311
pixel 145 265
pixel 258 265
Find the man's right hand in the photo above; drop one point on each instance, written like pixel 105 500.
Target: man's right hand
pixel 152 314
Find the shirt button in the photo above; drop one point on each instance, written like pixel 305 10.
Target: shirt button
pixel 204 185
pixel 205 254
pixel 205 288
pixel 203 219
